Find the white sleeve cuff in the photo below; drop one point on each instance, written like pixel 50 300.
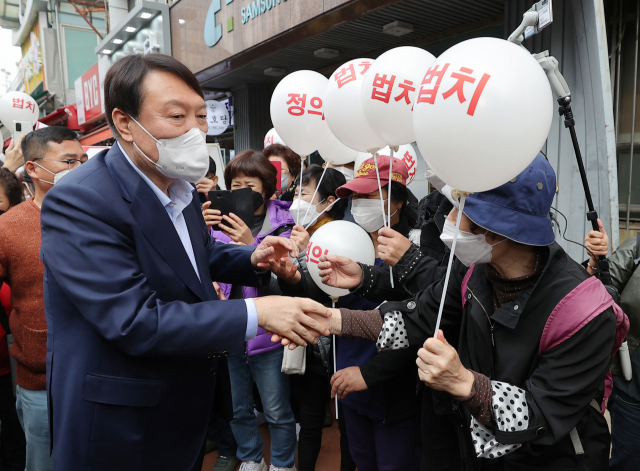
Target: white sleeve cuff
pixel 252 319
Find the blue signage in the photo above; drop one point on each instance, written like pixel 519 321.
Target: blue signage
pixel 257 7
pixel 212 31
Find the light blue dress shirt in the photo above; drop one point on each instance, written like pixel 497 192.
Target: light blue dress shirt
pixel 180 196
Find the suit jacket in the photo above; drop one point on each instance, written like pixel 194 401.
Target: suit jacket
pixel 135 339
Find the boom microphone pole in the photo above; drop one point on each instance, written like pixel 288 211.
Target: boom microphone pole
pixel 531 24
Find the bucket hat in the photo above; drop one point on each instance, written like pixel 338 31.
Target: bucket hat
pixel 519 209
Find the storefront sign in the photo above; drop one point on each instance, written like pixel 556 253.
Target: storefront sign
pixel 213 31
pixel 228 103
pixel 90 92
pixel 203 32
pixel 217 117
pixel 31 63
pixel 257 7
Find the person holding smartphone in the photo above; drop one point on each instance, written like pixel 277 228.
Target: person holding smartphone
pixel 13 158
pixel 262 359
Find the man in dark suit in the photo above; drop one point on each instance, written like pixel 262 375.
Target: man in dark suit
pixel 136 334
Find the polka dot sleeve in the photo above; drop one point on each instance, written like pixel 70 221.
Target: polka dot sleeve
pixel 393 335
pixel 510 414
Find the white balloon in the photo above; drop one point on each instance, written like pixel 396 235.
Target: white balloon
pixel 342 238
pixel 272 137
pixel 335 152
pixel 18 106
pixel 297 111
pixel 217 117
pixel 406 155
pixel 389 92
pixel 343 107
pixel 483 113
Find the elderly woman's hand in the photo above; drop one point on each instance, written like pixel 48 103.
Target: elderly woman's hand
pixel 392 246
pixel 346 381
pixel 439 367
pixel 300 236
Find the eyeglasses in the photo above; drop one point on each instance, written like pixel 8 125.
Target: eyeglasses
pixel 70 162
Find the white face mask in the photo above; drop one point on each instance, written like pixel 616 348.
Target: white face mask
pixel 185 157
pixel 56 176
pixel 470 248
pixel 367 214
pixel 347 172
pixel 311 211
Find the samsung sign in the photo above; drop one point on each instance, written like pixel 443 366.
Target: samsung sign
pixel 213 31
pixel 257 7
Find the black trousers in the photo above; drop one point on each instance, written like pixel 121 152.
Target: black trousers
pixel 440 444
pixel 311 392
pixel 12 442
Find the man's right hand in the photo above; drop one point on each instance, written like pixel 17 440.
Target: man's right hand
pixel 334 323
pixel 340 272
pixel 289 319
pixel 13 155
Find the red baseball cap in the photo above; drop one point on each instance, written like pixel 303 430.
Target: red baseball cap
pixel 366 181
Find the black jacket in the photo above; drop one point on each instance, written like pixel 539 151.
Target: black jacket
pixel 419 266
pixel 433 210
pixel 503 345
pixel 393 371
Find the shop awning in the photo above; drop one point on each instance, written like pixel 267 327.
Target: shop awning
pixel 101 134
pixel 56 117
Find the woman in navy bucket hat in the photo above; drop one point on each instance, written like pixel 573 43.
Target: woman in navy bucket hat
pixel 519 209
pixel 534 336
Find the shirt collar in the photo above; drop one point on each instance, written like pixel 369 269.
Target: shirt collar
pixel 178 190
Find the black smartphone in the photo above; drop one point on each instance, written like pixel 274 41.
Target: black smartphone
pixel 222 200
pixel 243 204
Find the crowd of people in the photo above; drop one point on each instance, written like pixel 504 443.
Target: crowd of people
pixel 141 328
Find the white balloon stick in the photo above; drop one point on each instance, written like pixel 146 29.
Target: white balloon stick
pixel 333 300
pixel 391 148
pixel 446 278
pixel 323 211
pixel 375 162
pixel 314 193
pixel 300 184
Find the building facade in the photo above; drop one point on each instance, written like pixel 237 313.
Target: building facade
pixel 243 48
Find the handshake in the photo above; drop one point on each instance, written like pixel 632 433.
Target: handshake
pixel 296 321
pixel 293 321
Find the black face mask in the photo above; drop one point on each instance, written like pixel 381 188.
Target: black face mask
pixel 258 200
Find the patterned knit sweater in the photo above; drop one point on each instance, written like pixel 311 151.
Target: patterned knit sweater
pixel 22 270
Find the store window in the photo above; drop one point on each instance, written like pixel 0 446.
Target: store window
pixel 79 48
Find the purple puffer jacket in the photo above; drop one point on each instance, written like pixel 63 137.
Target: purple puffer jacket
pixel 277 216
